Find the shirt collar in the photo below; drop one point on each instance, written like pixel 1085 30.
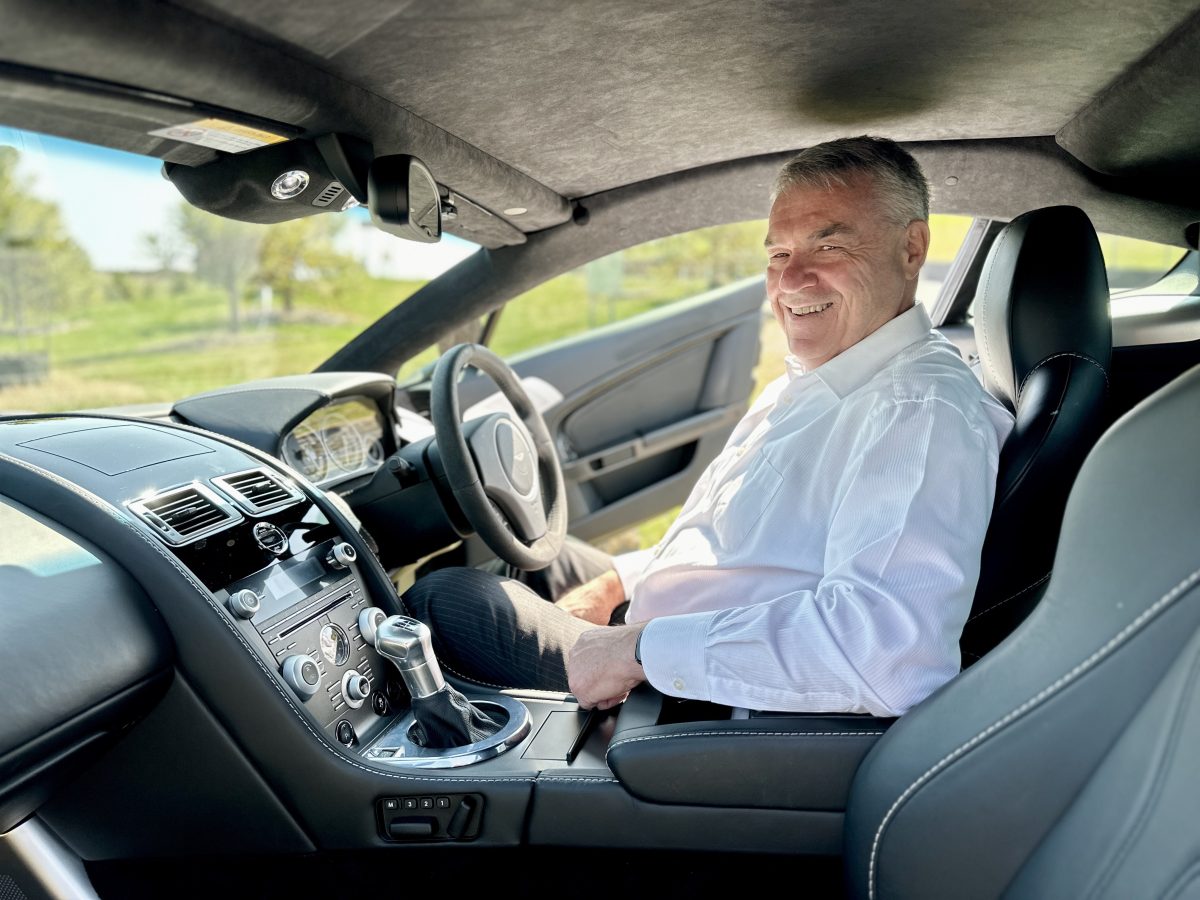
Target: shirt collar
pixel 851 368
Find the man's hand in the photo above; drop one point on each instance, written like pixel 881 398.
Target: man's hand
pixel 595 600
pixel 601 670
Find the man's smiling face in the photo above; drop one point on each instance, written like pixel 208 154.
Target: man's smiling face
pixel 836 269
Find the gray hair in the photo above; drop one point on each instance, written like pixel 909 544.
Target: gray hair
pixel 900 185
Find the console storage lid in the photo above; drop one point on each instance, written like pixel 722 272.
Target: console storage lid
pixel 770 760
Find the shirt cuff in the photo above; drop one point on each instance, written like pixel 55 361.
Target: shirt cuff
pixel 673 654
pixel 629 567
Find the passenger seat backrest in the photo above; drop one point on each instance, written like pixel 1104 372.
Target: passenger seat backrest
pixel 1045 340
pixel 1063 764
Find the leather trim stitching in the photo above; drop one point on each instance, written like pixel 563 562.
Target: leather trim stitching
pixel 1013 597
pixel 1021 389
pixel 106 508
pixel 1036 700
pixel 1161 766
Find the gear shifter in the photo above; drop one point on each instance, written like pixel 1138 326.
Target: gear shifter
pixel 407 643
pixel 444 717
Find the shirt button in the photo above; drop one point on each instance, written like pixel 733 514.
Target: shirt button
pixel 678 684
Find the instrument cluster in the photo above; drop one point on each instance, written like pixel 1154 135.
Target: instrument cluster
pixel 338 442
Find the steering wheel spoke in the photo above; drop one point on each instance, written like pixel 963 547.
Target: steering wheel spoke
pixel 507 463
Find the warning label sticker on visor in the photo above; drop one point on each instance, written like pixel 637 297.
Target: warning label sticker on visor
pixel 217 134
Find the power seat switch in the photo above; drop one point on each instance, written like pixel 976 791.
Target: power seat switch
pixel 430 817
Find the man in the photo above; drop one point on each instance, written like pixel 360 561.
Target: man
pixel 826 560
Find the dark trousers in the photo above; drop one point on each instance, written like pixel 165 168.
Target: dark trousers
pixel 504 631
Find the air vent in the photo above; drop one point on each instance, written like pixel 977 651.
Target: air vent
pixel 259 491
pixel 328 195
pixel 185 514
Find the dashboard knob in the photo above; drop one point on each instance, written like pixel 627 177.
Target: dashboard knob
pixel 355 689
pixel 341 556
pixel 368 621
pixel 302 675
pixel 244 603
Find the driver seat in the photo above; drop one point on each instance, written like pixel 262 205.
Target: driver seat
pixel 1045 338
pixel 1061 764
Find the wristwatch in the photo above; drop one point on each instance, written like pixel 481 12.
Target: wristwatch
pixel 637 648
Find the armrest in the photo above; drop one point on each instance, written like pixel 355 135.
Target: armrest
pixel 777 761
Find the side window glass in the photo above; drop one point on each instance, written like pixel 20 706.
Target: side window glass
pixel 1134 264
pixel 1150 280
pixel 946 235
pixel 629 282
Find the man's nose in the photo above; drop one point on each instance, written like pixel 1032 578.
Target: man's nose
pixel 797 275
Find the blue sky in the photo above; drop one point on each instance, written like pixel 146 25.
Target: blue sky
pixel 110 200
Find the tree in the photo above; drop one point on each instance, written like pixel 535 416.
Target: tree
pixel 43 272
pixel 226 252
pixel 300 250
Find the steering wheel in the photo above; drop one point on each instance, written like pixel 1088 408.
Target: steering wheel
pixel 503 470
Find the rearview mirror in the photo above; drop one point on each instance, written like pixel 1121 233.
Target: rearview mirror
pixel 403 198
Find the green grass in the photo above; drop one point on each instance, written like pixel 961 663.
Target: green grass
pixel 158 346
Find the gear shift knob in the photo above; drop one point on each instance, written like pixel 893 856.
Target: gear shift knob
pixel 406 642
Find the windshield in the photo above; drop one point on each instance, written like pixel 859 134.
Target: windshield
pixel 114 290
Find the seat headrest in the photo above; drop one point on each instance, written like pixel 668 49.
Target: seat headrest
pixel 1043 292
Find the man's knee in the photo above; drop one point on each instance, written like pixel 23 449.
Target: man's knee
pixel 455 591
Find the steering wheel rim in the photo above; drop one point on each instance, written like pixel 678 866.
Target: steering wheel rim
pixel 463 476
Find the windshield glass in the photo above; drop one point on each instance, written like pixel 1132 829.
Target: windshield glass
pixel 114 290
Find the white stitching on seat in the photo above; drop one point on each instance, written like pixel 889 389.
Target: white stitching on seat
pixel 1006 599
pixel 1112 644
pixel 108 509
pixel 1021 389
pixel 687 734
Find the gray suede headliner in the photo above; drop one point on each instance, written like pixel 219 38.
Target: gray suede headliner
pixel 589 96
pixel 534 103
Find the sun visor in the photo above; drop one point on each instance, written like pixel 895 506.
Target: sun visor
pixel 273 183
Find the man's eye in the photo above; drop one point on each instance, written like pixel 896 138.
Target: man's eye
pixel 828 247
pixel 779 254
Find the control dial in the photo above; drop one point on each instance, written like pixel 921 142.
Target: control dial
pixel 356 688
pixel 341 556
pixel 302 675
pixel 244 603
pixel 368 621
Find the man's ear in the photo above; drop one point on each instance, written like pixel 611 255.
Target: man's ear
pixel 916 246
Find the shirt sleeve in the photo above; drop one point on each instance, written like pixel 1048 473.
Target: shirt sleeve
pixel 880 632
pixel 630 566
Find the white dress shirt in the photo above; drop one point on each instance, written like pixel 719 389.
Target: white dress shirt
pixel 827 558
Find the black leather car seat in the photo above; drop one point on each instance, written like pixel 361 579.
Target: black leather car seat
pixel 1045 339
pixel 1063 763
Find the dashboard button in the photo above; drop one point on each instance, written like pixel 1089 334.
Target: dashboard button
pixel 341 556
pixel 302 675
pixel 379 703
pixel 244 603
pixel 368 621
pixel 345 733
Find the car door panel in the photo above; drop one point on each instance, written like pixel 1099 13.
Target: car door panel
pixel 646 403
